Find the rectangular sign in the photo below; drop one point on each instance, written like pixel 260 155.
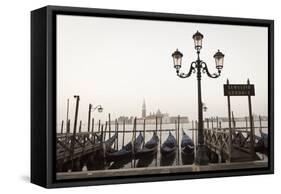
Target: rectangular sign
pixel 239 89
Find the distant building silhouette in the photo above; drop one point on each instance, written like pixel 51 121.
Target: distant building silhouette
pixel 151 118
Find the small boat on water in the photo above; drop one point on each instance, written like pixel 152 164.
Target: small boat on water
pixel 149 148
pixel 187 149
pixel 145 161
pixel 262 143
pixel 265 139
pixel 126 151
pixel 110 141
pixel 169 147
pixel 104 147
pixel 168 160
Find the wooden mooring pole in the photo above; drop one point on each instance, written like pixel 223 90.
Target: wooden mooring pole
pixel 123 138
pixel 105 128
pixel 109 125
pixel 156 125
pixel 115 127
pixel 68 126
pixel 229 125
pixel 178 137
pixel 133 141
pixel 251 124
pixel 217 119
pixel 156 157
pixel 93 131
pixel 117 132
pixel 109 130
pixel 101 137
pixel 80 126
pixel 233 120
pixel 76 115
pixel 135 134
pixel 260 124
pixel 160 130
pixel 143 131
pixel 67 113
pixel 246 120
pixel 196 135
pixel 61 130
pixel 93 126
pixel 192 124
pixel 74 128
pixel 89 116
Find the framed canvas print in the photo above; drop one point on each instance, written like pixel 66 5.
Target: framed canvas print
pixel 126 96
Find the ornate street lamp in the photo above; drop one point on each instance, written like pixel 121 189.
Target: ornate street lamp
pixel 99 107
pixel 91 109
pixel 198 66
pixel 177 56
pixel 219 56
pixel 198 37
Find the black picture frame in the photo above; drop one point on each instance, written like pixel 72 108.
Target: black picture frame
pixel 43 94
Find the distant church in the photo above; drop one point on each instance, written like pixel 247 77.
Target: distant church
pixel 165 116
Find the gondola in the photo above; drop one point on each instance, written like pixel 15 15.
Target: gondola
pixel 110 141
pixel 262 143
pixel 145 161
pixel 104 147
pixel 187 149
pixel 118 164
pixel 265 139
pixel 169 147
pixel 167 160
pixel 126 151
pixel 149 148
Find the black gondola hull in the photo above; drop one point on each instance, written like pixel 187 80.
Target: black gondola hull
pixel 149 149
pixel 126 152
pixel 187 149
pixel 169 147
pixel 145 152
pixel 168 151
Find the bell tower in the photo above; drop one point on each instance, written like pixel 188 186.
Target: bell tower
pixel 143 113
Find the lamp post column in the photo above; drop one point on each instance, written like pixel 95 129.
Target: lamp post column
pixel 201 155
pixel 200 67
pixel 200 113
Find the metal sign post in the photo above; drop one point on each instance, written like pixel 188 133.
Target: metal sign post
pixel 240 90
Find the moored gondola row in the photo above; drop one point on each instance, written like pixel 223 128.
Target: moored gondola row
pixel 100 149
pixel 137 152
pixel 145 155
pixel 104 155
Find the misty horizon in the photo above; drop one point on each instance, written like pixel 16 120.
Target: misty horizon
pixel 118 63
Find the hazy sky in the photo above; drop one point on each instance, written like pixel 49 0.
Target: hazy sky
pixel 119 62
